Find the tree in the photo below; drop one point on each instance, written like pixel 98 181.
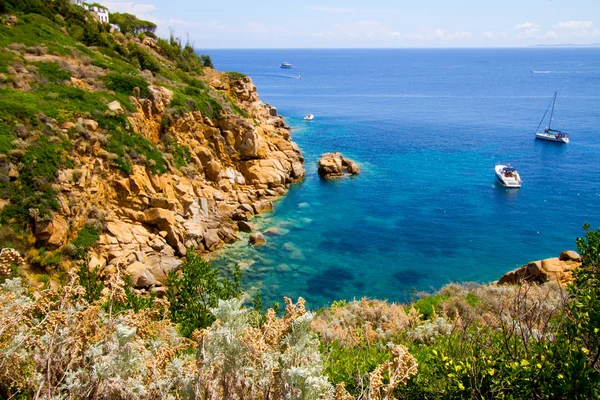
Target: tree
pixel 197 289
pixel 206 61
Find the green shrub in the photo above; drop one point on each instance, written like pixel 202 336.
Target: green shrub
pixel 145 60
pixel 86 239
pixel 181 154
pixel 91 281
pixel 352 364
pixel 33 189
pixel 125 84
pixel 129 146
pixel 194 99
pixel 234 76
pixel 427 305
pixel 195 291
pixel 206 61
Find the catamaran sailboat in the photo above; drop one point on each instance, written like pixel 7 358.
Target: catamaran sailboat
pixel 549 134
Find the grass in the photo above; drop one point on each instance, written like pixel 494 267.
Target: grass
pixel 52 72
pixel 35 30
pixel 6 139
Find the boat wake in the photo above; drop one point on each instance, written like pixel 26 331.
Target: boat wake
pixel 552 72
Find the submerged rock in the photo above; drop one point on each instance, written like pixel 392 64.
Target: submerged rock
pixel 332 165
pixel 257 239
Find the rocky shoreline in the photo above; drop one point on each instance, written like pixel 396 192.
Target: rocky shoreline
pixel 239 167
pixel 556 269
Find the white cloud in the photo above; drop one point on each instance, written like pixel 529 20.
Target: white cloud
pixel 527 30
pixel 132 7
pixel 335 10
pixel 575 25
pixel 488 35
pixel 368 29
pixel 342 10
pixel 437 34
pixel 527 25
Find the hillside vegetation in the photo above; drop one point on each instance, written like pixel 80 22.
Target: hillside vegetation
pixel 125 159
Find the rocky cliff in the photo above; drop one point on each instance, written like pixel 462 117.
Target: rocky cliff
pixel 155 161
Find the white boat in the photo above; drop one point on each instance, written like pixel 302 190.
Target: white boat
pixel 285 65
pixel 549 134
pixel 508 176
pixel 309 117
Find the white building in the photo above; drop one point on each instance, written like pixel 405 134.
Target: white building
pixel 100 13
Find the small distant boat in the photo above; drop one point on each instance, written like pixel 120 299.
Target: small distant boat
pixel 309 117
pixel 285 65
pixel 549 134
pixel 508 176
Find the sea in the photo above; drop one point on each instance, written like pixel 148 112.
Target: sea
pixel 427 127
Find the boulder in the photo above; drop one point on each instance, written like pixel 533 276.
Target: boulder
pixel 67 125
pixel 245 226
pixel 228 235
pixel 262 206
pixel 257 239
pixel 557 269
pixel 141 276
pixel 213 170
pixel 90 124
pixel 570 255
pixel 330 165
pixel 212 241
pixel 115 106
pixel 333 165
pixel 351 167
pixel 166 221
pixel 53 232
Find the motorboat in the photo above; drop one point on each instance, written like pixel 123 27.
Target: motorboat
pixel 285 65
pixel 309 117
pixel 508 176
pixel 549 134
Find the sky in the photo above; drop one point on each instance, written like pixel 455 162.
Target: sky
pixel 370 24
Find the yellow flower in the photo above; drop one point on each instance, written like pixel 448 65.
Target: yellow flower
pixel 585 351
pixel 491 371
pixel 461 386
pixel 560 376
pixel 538 365
pixel 524 363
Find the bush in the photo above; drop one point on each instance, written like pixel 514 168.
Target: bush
pixel 145 60
pixel 124 83
pixel 196 290
pixel 234 76
pixel 129 145
pixel 206 61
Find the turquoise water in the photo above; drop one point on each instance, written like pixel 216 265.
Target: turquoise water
pixel 427 128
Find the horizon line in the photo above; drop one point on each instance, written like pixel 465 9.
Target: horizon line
pixel 536 46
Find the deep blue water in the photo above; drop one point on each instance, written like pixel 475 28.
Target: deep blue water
pixel 427 128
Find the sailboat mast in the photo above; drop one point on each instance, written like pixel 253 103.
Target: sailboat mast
pixel 552 112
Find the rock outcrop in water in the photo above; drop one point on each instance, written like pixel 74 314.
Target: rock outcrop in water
pixel 334 165
pixel 558 269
